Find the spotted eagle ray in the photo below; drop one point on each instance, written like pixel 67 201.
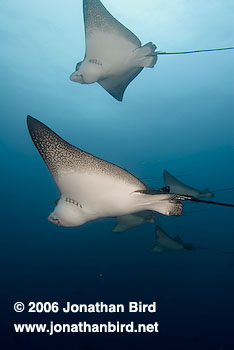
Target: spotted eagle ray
pixel 114 55
pixel 177 186
pixel 166 243
pixel 90 187
pixel 210 193
pixel 125 222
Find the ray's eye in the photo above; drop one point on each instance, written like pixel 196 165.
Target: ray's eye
pixel 78 66
pixel 56 202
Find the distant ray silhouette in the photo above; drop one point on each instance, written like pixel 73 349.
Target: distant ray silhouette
pixel 166 243
pixel 176 186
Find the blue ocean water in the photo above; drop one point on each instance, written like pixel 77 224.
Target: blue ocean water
pixel 177 116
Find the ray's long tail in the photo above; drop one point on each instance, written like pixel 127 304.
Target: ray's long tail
pixel 193 51
pixel 182 197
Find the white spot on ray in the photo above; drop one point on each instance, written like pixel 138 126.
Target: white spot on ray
pixel 114 55
pixel 90 187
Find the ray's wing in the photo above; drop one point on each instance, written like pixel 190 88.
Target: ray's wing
pixel 56 152
pixel 62 158
pixel 166 241
pixel 178 186
pixel 116 85
pixel 96 17
pixel 111 43
pixel 160 234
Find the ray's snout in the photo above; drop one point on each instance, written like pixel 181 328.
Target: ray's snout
pixel 76 77
pixel 52 218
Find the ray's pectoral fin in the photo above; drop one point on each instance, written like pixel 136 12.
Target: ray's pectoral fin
pixel 116 85
pixel 146 55
pixel 96 16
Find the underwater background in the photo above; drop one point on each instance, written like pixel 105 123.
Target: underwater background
pixel 177 116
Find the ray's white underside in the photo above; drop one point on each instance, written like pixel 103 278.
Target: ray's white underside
pixel 102 196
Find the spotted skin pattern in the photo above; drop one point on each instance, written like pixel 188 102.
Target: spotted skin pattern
pixel 60 156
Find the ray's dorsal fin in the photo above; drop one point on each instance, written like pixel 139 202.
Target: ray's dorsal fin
pixel 165 189
pixel 193 51
pixel 96 16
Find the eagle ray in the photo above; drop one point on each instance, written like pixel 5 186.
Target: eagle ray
pixel 114 56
